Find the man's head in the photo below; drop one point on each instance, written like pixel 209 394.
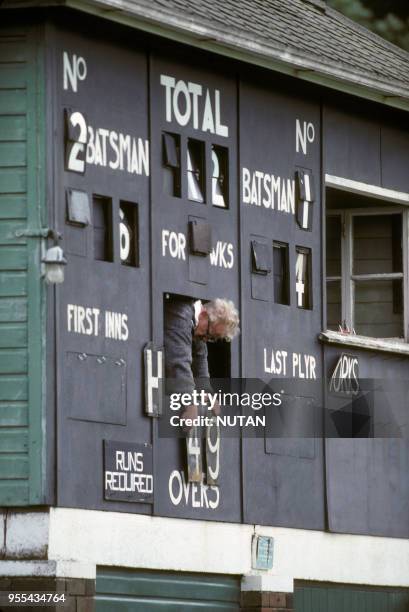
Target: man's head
pixel 218 320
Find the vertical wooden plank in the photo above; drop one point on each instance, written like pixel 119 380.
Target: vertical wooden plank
pixel 348 600
pixel 308 601
pixel 298 599
pixel 318 597
pixel 361 599
pixel 36 294
pixel 382 601
pixel 335 600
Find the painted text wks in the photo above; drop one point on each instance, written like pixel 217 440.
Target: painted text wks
pixel 222 255
pixel 74 69
pixel 345 378
pixel 304 134
pixel 86 321
pixel 302 365
pixel 196 495
pixel 117 151
pixel 269 191
pixel 188 102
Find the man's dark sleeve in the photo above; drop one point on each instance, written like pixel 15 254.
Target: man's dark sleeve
pixel 200 366
pixel 178 346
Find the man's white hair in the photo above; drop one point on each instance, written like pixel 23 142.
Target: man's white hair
pixel 224 311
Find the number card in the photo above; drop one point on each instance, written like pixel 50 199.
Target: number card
pixel 75 141
pixel 213 453
pixel 194 456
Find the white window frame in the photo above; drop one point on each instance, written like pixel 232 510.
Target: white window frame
pixel 347 215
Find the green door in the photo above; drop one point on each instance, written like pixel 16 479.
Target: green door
pixel 349 599
pixel 144 591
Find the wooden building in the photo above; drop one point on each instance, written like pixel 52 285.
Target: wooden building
pixel 252 150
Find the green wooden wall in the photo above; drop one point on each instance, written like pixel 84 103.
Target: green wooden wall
pixel 125 590
pixel 21 293
pixel 349 599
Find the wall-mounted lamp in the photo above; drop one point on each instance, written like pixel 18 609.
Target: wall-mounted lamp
pixel 54 262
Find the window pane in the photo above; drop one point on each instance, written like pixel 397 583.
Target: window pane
pixel 220 178
pixel 171 164
pixel 102 221
pixel 334 307
pixel 195 170
pixel 333 246
pixel 281 276
pixel 378 309
pixel 377 244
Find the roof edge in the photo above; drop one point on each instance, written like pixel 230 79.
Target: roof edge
pixel 186 31
pixel 239 47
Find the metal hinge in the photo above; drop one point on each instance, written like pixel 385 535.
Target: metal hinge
pixel 43 232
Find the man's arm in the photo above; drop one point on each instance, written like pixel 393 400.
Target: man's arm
pixel 200 366
pixel 178 347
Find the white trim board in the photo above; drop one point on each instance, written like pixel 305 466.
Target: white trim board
pixel 371 344
pixel 366 189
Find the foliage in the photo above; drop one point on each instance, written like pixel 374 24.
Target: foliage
pixel 388 18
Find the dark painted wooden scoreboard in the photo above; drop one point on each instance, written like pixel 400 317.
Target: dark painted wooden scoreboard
pixel 175 173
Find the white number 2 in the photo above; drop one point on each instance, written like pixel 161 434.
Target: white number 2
pixel 76 149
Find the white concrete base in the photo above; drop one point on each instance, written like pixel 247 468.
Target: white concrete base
pixel 26 535
pixel 67 569
pixel 267 582
pixel 77 541
pixel 27 568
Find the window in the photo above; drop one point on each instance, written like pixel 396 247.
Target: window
pixel 103 239
pixel 195 170
pixel 171 164
pixel 220 177
pixel 365 269
pixel 281 275
pixel 334 276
